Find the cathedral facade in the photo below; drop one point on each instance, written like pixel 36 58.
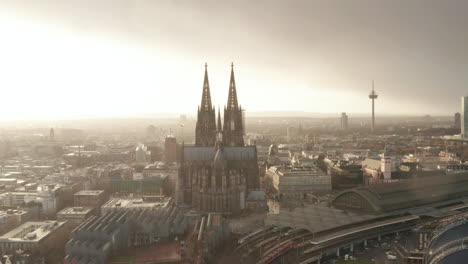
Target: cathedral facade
pixel 218 172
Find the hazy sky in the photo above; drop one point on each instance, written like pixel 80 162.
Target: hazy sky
pixel 64 58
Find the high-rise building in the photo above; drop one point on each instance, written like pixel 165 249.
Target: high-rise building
pixel 344 121
pixel 457 121
pixel 140 154
pixel 464 117
pixel 170 149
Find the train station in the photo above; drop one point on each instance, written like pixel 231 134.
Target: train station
pixel 311 233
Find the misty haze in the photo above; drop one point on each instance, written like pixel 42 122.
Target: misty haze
pixel 233 132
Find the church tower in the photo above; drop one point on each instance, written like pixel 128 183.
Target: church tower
pixel 205 131
pixel 233 130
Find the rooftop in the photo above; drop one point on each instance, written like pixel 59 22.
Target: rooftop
pixel 288 171
pixel 163 252
pixel 12 212
pixel 90 192
pixel 405 194
pixel 316 218
pixel 137 202
pixel 31 231
pixel 75 211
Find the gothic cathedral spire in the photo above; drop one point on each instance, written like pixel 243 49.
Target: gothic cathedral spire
pixel 233 130
pixel 232 97
pixel 205 132
pixel 206 96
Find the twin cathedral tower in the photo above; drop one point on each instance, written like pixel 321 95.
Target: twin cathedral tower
pixel 232 129
pixel 219 172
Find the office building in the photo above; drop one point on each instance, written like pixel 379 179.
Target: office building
pixel 464 117
pixel 12 218
pixel 344 121
pixel 457 121
pixel 75 215
pixel 46 239
pixel 140 155
pixel 90 198
pixel 297 181
pixel 154 185
pixel 170 149
pixel 124 204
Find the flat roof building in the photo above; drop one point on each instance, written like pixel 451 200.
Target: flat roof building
pixel 46 238
pixel 153 185
pixel 90 198
pixel 298 180
pixel 12 218
pixel 75 215
pixel 147 202
pixel 89 193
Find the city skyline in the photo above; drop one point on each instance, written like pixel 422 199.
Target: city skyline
pixel 207 131
pixel 131 59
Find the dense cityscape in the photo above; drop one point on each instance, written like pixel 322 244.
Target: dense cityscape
pixel 212 188
pixel 122 148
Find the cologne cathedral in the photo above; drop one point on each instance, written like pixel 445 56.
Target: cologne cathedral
pixel 218 172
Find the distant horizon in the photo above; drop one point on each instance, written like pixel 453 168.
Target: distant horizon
pixel 74 59
pixel 257 114
pixel 249 114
